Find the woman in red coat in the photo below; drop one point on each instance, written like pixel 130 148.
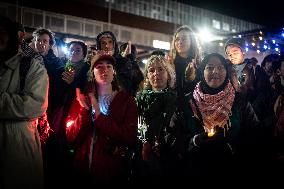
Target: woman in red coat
pixel 103 135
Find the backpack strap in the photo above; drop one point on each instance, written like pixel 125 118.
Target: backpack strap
pixel 26 62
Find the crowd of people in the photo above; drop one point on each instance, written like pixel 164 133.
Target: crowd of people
pixel 94 118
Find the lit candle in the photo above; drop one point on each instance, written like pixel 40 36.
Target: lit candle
pixel 211 132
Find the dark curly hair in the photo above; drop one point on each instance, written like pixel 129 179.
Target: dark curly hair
pixel 83 45
pixel 40 31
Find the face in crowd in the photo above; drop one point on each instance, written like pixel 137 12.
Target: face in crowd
pixel 103 72
pixel 107 45
pixel 157 75
pixel 76 52
pixel 268 68
pixel 235 54
pixel 182 43
pixel 214 72
pixel 42 43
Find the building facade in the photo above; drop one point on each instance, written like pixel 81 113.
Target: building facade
pixel 141 22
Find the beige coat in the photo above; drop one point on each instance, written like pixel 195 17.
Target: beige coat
pixel 20 150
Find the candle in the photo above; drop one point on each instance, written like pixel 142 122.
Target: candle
pixel 211 132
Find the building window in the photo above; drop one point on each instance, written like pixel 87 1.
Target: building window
pixel 226 26
pixel 57 22
pixel 38 20
pixel 54 23
pixel 98 29
pixel 73 27
pixel 145 7
pixel 89 29
pixel 28 19
pixel 216 24
pixel 125 35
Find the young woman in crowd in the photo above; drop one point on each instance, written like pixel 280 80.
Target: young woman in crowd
pixel 103 135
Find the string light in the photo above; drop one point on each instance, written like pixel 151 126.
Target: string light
pixel 262 41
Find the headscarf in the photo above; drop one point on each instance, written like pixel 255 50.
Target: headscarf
pixel 108 34
pixel 214 104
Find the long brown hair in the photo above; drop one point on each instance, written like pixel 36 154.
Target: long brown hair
pixel 195 48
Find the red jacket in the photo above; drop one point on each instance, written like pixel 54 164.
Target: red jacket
pixel 118 129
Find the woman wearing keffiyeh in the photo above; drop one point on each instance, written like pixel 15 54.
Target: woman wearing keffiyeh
pixel 222 126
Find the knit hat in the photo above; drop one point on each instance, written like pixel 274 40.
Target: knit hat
pixel 236 41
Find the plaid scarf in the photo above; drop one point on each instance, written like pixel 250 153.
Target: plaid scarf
pixel 214 109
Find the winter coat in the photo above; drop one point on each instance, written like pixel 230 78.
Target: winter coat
pixel 155 110
pixel 20 150
pixel 186 74
pixel 239 148
pixel 101 147
pixel 61 96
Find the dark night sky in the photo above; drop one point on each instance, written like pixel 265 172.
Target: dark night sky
pixel 268 13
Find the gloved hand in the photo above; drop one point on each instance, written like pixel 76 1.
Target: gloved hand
pixel 203 140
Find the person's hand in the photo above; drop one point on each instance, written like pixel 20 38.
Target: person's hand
pixel 146 149
pixel 168 58
pixel 95 105
pixel 203 140
pixel 83 99
pixel 68 76
pixel 190 72
pixel 127 50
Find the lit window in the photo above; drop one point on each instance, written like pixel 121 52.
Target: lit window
pixel 226 26
pixel 216 24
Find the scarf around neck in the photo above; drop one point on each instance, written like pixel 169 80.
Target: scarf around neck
pixel 215 109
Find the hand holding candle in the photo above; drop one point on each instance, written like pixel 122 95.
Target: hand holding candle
pixel 214 136
pixel 211 132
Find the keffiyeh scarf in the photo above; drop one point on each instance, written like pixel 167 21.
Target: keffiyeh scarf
pixel 214 109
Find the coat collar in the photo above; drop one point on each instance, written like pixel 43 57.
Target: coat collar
pixel 13 62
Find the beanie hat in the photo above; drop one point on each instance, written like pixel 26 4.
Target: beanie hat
pixel 237 42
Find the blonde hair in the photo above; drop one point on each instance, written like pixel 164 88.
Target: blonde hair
pixel 170 70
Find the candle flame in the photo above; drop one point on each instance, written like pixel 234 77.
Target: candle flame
pixel 211 132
